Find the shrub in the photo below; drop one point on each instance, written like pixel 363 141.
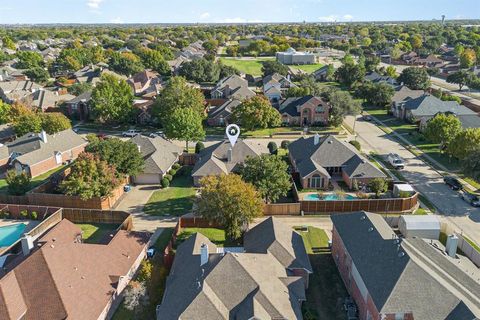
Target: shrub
pixel 24 214
pixel 168 177
pixel 172 172
pixel 145 273
pixel 176 166
pixel 18 184
pixel 199 147
pixel 356 144
pixel 165 183
pixel 5 214
pixel 34 215
pixel 378 186
pixel 404 194
pixel 285 144
pixel 272 147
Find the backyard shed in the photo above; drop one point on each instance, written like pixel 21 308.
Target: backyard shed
pixel 403 188
pixel 427 227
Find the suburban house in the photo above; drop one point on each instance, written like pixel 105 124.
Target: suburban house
pixel 8 73
pixel 399 278
pixel 377 78
pixel 159 155
pixel 146 84
pixel 292 56
pixel 59 277
pixel 222 158
pixel 264 279
pixel 304 111
pixel 403 94
pixel 232 87
pixel 144 109
pixel 318 161
pixel 275 85
pixel 425 107
pixel 220 115
pixel 321 73
pixel 93 73
pixel 11 91
pixel 38 153
pixel 45 99
pixel 79 107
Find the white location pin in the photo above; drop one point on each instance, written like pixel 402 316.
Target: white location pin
pixel 232 131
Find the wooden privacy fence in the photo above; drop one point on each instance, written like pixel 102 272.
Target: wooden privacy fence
pixel 77 215
pixel 188 159
pixel 371 205
pixel 277 209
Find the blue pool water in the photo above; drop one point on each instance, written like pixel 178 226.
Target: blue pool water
pixel 328 197
pixel 10 234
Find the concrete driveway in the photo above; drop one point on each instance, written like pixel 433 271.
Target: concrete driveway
pixel 424 178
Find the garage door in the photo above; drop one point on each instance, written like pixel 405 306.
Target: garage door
pixel 147 179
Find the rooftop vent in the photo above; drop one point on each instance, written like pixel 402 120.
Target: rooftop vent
pixel 370 229
pixel 401 254
pixel 363 217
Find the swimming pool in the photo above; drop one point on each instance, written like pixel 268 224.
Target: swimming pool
pixel 10 234
pixel 327 197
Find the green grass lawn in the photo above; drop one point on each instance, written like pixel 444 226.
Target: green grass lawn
pixel 155 285
pixel 326 291
pixel 96 232
pixel 35 182
pixel 175 200
pixel 251 66
pixel 313 238
pixel 308 68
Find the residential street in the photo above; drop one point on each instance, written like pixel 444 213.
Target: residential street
pixel 425 179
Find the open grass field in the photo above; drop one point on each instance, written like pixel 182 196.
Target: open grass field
pixel 251 66
pixel 175 200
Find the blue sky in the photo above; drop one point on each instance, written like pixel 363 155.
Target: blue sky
pixel 168 11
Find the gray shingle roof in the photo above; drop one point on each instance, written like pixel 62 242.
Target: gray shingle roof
pixel 428 105
pixel 225 110
pixel 375 77
pixel 331 152
pixel 292 105
pixel 397 282
pixel 60 142
pixel 158 153
pixel 230 286
pixel 403 93
pixel 213 160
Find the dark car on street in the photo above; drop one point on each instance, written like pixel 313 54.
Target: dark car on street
pixel 470 198
pixel 453 183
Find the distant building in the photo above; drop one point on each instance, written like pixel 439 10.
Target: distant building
pixel 394 278
pixel 291 56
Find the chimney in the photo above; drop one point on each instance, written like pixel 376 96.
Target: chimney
pixel 43 136
pixel 316 139
pixel 451 247
pixel 229 155
pixel 203 254
pixel 27 245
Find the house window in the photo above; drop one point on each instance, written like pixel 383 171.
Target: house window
pixel 316 181
pixel 319 109
pixel 58 157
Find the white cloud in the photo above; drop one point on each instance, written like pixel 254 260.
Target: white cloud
pixel 239 20
pixel 116 20
pixel 330 18
pixel 94 4
pixel 205 15
pixel 334 17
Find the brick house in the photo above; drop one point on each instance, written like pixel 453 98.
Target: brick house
pixel 304 111
pixel 318 160
pixel 47 152
pixel 398 279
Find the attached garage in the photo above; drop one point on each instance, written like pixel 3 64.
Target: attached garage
pixel 147 178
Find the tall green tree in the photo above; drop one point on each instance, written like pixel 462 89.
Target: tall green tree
pixel 123 155
pixel 271 67
pixel 461 78
pixel 415 78
pixel 350 73
pixel 256 112
pixel 268 173
pixel 38 74
pixel 230 202
pixel 53 122
pixel 184 124
pixel 5 112
pixel 464 143
pixel 342 104
pixel 112 100
pixel 154 60
pixel 443 129
pixel 471 164
pixel 377 94
pixel 29 59
pixel 26 123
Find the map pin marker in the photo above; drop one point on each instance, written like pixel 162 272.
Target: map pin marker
pixel 232 131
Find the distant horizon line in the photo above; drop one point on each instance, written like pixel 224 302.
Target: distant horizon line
pixel 231 23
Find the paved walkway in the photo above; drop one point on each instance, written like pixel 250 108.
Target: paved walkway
pixel 134 202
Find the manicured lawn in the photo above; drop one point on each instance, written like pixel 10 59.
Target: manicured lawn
pixel 155 285
pixel 175 200
pixel 35 182
pixel 97 232
pixel 326 291
pixel 313 239
pixel 308 68
pixel 251 66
